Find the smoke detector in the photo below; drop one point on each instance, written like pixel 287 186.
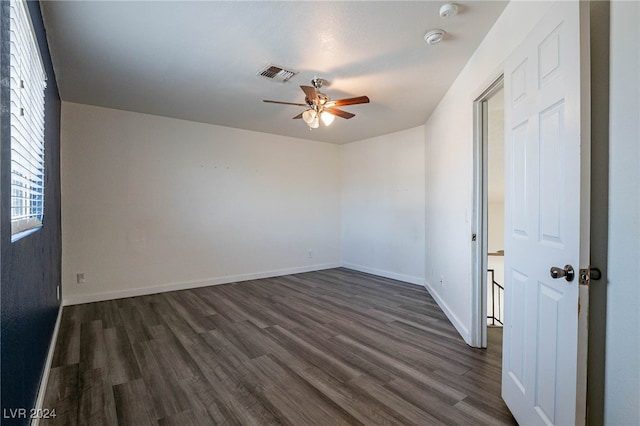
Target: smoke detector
pixel 434 36
pixel 448 10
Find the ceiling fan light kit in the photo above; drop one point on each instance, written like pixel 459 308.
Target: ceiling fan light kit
pixel 320 107
pixel 312 119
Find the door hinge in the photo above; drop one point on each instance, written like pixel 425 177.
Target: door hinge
pixel 474 237
pixel 588 274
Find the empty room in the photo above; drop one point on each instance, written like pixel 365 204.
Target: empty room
pixel 319 213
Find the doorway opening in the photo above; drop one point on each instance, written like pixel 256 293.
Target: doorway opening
pixel 495 209
pixel 489 210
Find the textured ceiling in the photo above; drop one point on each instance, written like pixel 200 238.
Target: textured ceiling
pixel 198 60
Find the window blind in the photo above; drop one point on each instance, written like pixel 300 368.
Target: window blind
pixel 27 87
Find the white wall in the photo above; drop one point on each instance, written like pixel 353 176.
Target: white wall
pixel 622 372
pixel 449 165
pixel 495 172
pixel 383 205
pixel 495 218
pixel 152 203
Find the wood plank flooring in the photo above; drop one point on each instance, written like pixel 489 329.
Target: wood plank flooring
pixel 321 348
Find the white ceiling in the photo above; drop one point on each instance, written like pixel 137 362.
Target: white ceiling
pixel 198 60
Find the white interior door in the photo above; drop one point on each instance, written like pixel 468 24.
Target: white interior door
pixel 546 220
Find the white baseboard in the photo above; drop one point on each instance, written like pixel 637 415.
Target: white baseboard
pixel 381 273
pixel 47 368
pixel 142 291
pixel 462 330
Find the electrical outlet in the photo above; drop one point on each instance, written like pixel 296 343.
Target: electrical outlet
pixel 310 254
pixel 80 278
pixel 441 280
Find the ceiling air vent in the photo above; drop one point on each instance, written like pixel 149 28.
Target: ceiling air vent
pixel 276 73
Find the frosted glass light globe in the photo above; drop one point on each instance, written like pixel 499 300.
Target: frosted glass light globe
pixel 309 115
pixel 327 118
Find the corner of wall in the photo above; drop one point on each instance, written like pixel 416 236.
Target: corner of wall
pixel 451 315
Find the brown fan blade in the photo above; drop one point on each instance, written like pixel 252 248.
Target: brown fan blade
pixel 309 92
pixel 297 116
pixel 340 113
pixel 284 103
pixel 350 101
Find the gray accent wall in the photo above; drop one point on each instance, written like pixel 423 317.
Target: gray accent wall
pixel 30 267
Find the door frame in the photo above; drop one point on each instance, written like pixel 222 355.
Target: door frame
pixel 479 251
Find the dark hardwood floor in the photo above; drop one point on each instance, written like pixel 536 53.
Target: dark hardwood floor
pixel 320 348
